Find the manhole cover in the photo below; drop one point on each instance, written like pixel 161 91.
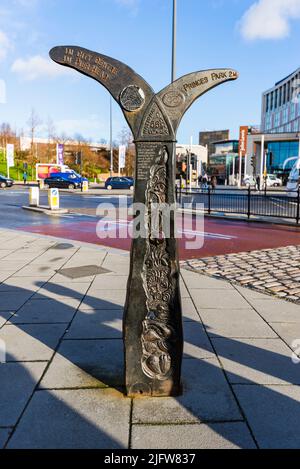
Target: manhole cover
pixel 83 271
pixel 62 246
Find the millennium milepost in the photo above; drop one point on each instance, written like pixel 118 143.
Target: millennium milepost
pixel 152 325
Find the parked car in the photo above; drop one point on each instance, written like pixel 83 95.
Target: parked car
pixel 250 181
pixel 70 180
pixel 273 181
pixel 119 183
pixel 5 182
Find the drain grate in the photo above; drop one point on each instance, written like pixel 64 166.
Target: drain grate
pixel 83 271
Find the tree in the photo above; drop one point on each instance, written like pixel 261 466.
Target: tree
pixel 33 122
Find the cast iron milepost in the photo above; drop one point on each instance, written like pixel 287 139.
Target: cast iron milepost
pixel 152 325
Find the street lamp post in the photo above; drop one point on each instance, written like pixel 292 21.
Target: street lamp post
pixel 111 142
pixel 174 41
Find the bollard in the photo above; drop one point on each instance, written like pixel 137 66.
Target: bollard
pixel 41 184
pixel 34 196
pixel 85 186
pixel 53 199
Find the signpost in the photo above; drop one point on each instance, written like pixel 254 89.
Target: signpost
pixel 153 337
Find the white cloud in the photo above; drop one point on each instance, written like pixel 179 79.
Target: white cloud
pixel 269 19
pixel 5 45
pixel 91 126
pixel 38 67
pixel 132 5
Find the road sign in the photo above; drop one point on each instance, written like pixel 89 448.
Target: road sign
pixel 53 199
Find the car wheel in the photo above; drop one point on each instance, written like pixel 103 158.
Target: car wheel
pixel 2 185
pixel 131 188
pixel 71 186
pixel 109 188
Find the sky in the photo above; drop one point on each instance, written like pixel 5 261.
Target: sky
pixel 260 39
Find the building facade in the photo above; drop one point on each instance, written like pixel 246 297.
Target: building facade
pixel 223 163
pixel 208 138
pixel 281 106
pixel 274 152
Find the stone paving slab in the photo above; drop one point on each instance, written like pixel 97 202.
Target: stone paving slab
pixel 77 419
pixel 189 312
pixel 6 274
pixel 277 310
pixel 236 323
pixel 206 397
pixel 196 342
pixel 17 284
pixel 17 384
pixel 4 316
pixel 106 282
pixel 86 364
pixel 214 299
pixel 63 290
pixel 288 331
pixel 100 324
pixel 32 342
pixel 46 311
pixel 217 435
pixel 13 300
pixel 4 434
pixel 195 282
pixel 273 413
pixel 261 361
pixel 104 299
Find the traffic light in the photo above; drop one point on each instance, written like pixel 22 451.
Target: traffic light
pixel 78 158
pixel 253 161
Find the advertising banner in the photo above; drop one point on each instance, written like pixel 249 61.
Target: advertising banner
pixel 10 155
pixel 243 142
pixel 122 156
pixel 60 153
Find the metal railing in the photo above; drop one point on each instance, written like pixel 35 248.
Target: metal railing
pixel 248 202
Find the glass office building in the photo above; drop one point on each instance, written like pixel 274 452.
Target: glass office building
pixel 281 106
pixel 279 154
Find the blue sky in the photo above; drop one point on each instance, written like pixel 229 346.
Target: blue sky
pixel 258 38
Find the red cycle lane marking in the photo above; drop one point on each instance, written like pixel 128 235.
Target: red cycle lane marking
pixel 222 236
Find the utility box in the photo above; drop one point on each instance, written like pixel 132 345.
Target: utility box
pixel 85 186
pixel 34 196
pixel 53 199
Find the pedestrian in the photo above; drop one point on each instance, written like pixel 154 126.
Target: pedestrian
pixel 257 183
pixel 213 183
pixel 25 177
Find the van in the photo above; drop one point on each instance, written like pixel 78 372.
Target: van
pixel 293 182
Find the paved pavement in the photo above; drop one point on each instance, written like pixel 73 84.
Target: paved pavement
pixel 62 383
pixel 272 271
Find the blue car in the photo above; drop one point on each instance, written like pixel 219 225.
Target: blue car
pixel 119 183
pixel 69 180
